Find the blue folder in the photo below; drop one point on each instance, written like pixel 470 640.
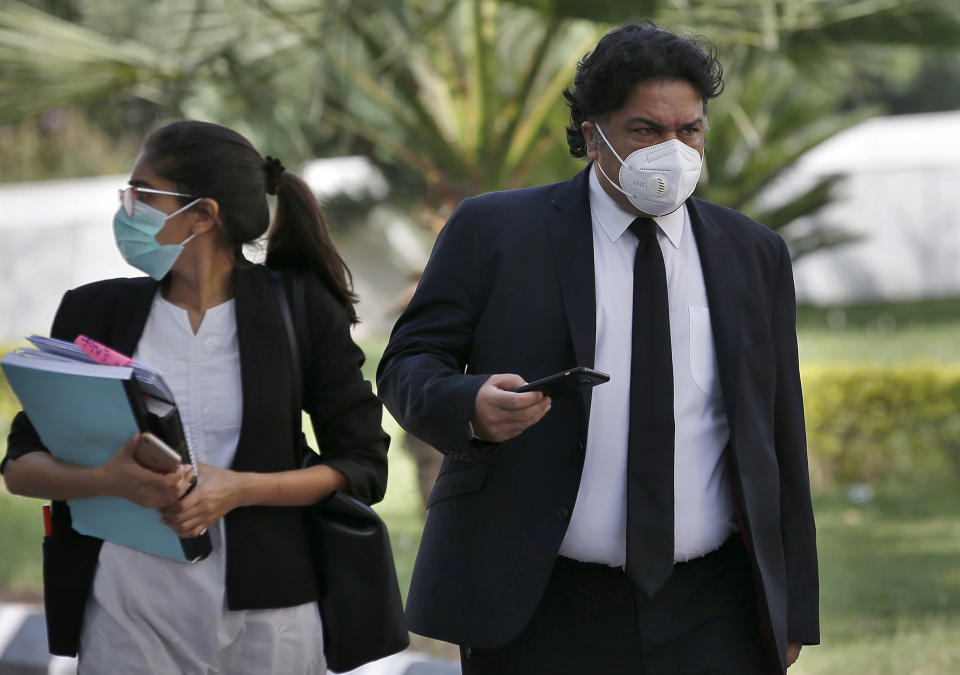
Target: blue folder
pixel 84 413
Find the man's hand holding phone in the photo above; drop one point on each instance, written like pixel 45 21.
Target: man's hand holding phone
pixel 566 382
pixel 500 414
pixel 507 404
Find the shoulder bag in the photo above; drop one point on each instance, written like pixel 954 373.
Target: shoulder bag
pixel 360 604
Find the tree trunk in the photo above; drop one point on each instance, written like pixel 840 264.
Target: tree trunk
pixel 428 464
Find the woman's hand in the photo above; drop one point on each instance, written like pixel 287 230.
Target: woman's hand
pixel 123 477
pixel 218 492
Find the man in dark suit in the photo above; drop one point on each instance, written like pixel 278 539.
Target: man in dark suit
pixel 662 522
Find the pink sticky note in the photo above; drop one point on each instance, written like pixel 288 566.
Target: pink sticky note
pixel 102 353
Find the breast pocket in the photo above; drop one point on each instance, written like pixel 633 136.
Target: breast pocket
pixel 703 360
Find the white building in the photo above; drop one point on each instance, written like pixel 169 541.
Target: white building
pixel 901 199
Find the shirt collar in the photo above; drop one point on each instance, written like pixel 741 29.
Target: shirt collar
pixel 614 221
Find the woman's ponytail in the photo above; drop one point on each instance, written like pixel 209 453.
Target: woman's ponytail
pixel 299 237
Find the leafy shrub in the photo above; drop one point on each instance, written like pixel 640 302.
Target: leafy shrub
pixel 9 405
pixel 877 423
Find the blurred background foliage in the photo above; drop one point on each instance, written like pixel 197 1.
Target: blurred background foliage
pixel 455 97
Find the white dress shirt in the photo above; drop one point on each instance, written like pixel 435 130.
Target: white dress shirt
pixel 148 614
pixel 703 503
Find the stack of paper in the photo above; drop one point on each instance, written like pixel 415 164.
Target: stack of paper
pixel 149 379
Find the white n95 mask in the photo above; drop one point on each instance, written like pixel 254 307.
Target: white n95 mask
pixel 659 178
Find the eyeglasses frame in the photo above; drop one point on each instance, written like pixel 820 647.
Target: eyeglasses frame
pixel 137 188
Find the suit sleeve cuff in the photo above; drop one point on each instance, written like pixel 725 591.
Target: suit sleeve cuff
pixel 476 443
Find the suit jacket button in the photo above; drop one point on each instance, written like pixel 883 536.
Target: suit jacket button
pixel 563 513
pixel 582 447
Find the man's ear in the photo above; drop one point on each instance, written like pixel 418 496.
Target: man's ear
pixel 206 216
pixel 588 129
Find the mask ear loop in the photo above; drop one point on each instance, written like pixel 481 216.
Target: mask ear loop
pixel 179 211
pixel 604 137
pixel 599 166
pixel 182 209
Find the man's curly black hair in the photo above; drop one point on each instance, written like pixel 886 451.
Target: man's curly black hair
pixel 636 52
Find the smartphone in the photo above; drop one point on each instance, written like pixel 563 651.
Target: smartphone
pixel 565 382
pixel 154 454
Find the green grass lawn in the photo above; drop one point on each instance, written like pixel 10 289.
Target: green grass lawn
pixel 890 582
pixel 939 344
pixel 21 532
pixel 881 332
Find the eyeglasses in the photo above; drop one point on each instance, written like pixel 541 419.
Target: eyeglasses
pixel 130 195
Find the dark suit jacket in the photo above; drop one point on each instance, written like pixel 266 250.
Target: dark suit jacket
pixel 509 288
pixel 268 553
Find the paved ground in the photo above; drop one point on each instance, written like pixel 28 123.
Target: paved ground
pixel 23 650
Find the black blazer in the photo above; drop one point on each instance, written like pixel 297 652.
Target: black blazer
pixel 268 555
pixel 509 288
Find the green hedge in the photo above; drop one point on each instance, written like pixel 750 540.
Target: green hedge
pixel 880 423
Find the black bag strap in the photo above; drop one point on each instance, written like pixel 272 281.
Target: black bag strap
pixel 299 310
pixel 290 326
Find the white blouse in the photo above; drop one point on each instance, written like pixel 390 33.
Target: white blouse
pixel 148 614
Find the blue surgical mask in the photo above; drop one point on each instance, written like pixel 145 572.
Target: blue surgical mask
pixel 137 239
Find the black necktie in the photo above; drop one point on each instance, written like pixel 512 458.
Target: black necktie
pixel 650 444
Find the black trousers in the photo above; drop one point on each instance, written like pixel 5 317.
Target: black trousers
pixel 592 621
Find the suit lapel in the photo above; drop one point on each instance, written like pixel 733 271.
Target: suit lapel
pixel 722 280
pixel 135 308
pixel 259 336
pixel 571 235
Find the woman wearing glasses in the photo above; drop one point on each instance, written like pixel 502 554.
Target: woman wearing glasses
pixel 209 320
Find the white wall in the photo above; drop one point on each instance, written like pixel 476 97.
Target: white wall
pixel 902 200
